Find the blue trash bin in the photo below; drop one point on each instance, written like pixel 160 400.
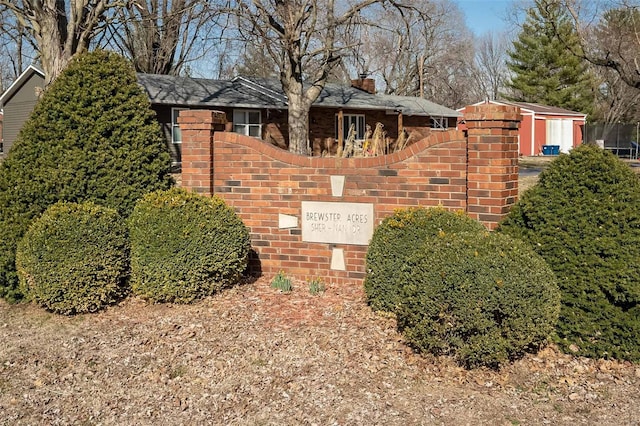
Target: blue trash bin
pixel 547 149
pixel 555 149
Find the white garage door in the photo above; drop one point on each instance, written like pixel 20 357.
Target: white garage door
pixel 560 132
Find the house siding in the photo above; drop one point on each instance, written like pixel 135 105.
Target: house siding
pixel 524 138
pixel 578 132
pixel 275 130
pixel 18 108
pixel 540 137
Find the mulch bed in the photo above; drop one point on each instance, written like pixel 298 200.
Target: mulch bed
pixel 253 355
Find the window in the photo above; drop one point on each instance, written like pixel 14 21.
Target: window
pixel 176 134
pixel 357 120
pixel 247 122
pixel 439 122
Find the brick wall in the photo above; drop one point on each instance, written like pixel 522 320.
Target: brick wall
pixel 475 172
pixel 492 181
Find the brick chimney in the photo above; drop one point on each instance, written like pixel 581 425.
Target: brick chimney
pixel 366 84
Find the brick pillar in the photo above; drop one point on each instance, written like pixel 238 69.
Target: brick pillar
pixel 492 166
pixel 197 127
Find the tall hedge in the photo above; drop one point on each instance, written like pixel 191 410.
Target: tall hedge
pixel 92 137
pixel 583 217
pixel 396 239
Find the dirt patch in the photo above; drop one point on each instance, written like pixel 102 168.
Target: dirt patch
pixel 536 161
pixel 526 182
pixel 253 355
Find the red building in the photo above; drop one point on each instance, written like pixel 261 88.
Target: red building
pixel 545 129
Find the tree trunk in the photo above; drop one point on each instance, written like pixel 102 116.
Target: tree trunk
pixel 298 119
pixel 61 29
pixel 53 58
pixel 298 128
pixel 51 40
pixel 300 38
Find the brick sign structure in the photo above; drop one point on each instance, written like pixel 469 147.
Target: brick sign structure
pixel 313 216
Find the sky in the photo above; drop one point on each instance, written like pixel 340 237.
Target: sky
pixel 485 15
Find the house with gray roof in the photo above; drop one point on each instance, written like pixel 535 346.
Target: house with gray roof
pixel 258 107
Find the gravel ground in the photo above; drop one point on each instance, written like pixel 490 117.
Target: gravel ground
pixel 255 356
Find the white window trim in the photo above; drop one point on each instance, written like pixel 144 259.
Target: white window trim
pixel 362 131
pixel 245 124
pixel 174 123
pixel 439 122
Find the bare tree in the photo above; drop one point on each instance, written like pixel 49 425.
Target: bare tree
pixel 448 76
pixel 12 48
pixel 393 46
pixel 490 72
pixel 615 36
pixel 60 29
pixel 16 48
pixel 616 102
pixel 161 36
pixel 423 49
pixel 618 27
pixel 306 40
pixel 254 61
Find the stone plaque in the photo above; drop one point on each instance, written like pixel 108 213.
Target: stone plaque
pixel 337 186
pixel 338 223
pixel 286 221
pixel 337 260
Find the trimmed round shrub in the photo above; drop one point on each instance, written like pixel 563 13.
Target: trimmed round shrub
pixel 185 246
pixel 396 239
pixel 74 258
pixel 483 298
pixel 92 137
pixel 583 218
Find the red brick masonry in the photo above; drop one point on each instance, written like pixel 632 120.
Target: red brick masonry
pixel 477 172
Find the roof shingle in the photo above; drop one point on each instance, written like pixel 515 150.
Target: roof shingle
pixel 258 93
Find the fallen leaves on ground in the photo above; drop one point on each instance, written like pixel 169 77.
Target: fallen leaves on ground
pixel 253 355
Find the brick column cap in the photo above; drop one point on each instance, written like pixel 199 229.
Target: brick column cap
pixel 201 116
pixel 491 112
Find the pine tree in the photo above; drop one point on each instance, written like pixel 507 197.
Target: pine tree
pixel 544 69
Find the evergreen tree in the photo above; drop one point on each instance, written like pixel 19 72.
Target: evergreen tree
pixel 583 218
pixel 544 69
pixel 92 137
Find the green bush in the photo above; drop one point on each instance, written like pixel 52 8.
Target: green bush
pixel 483 298
pixel 74 258
pixel 396 239
pixel 92 137
pixel 583 217
pixel 185 246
